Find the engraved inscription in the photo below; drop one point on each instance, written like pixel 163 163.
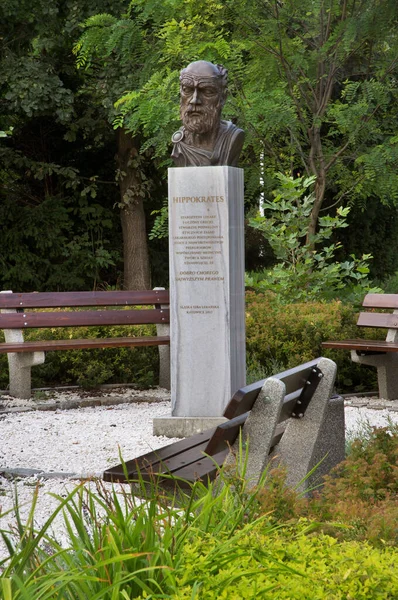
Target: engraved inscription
pixel 198 239
pixel 197 244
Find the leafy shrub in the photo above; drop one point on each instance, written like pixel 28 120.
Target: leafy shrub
pixel 277 499
pixel 307 268
pixel 362 491
pixel 288 335
pixel 390 285
pixel 315 566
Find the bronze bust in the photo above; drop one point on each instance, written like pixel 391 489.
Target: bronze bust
pixel 205 139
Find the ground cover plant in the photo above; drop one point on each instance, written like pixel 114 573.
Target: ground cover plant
pixel 229 540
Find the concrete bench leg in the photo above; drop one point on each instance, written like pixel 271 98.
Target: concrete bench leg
pixel 164 358
pixel 318 436
pixel 259 428
pixel 387 372
pixel 19 365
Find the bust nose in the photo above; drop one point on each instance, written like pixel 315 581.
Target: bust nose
pixel 195 98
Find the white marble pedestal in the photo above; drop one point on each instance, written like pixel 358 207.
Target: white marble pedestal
pixel 207 312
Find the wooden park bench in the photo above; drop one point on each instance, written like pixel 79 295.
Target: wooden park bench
pixel 292 413
pixel 19 312
pixel 378 353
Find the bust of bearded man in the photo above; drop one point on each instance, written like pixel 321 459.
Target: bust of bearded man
pixel 205 139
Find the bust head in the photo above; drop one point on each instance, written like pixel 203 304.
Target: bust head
pixel 203 89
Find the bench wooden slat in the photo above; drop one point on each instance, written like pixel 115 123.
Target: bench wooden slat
pixel 56 299
pixel 81 344
pixel 174 463
pixel 150 469
pixel 168 452
pixel 204 469
pixel 83 318
pixel 380 301
pixel 243 399
pixel 156 456
pixel 387 320
pixel 364 345
pixel 225 435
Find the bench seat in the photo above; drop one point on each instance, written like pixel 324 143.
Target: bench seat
pixel 365 346
pixel 117 342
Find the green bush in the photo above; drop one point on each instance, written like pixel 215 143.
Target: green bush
pixel 315 566
pixel 307 267
pixel 209 545
pixel 288 335
pixel 90 368
pixel 359 498
pixel 362 491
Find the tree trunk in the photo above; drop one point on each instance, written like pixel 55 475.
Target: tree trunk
pixel 317 168
pixel 320 186
pixel 132 191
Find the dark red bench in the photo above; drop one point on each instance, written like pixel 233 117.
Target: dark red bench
pixel 378 353
pixel 23 311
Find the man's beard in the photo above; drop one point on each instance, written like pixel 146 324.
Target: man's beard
pixel 204 120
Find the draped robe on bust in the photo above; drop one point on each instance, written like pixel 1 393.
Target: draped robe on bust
pixel 226 149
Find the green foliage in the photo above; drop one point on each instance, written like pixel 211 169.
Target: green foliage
pixel 56 196
pixel 302 271
pixel 160 227
pixel 73 254
pixel 118 545
pixel 329 569
pixel 200 543
pixel 290 334
pixel 362 491
pixel 390 285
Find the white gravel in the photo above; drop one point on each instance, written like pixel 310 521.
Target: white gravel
pixel 86 441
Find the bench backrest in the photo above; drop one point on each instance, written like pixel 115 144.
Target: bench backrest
pixel 300 383
pixel 23 319
pixel 374 319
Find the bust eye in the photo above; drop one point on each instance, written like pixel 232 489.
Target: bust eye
pixel 209 91
pixel 186 89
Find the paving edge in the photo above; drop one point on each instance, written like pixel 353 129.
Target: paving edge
pixel 19 473
pixel 80 403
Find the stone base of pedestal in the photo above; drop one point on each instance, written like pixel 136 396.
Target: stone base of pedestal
pixel 180 427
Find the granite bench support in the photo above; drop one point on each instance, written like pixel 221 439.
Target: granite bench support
pixel 382 354
pixel 17 314
pixel 292 414
pixel 316 439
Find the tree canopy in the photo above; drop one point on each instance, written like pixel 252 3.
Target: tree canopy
pixel 89 100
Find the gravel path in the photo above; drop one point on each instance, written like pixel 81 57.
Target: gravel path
pixel 85 441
